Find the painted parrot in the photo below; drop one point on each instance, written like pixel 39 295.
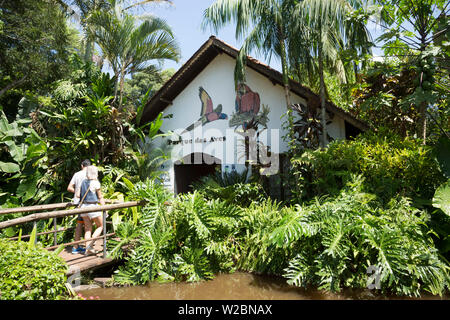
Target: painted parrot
pixel 207 113
pixel 247 101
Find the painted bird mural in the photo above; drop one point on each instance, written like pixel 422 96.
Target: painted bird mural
pixel 247 106
pixel 247 101
pixel 207 113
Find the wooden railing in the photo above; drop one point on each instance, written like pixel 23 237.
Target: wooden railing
pixel 34 217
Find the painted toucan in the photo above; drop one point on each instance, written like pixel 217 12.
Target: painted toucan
pixel 207 113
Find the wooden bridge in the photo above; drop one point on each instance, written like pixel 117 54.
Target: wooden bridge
pixel 75 262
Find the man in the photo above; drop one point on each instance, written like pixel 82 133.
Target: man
pixel 74 185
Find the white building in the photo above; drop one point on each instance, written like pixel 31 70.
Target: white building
pixel 208 114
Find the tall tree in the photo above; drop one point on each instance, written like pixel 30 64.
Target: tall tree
pixel 294 31
pixel 269 25
pixel 330 28
pixel 34 44
pixel 81 10
pixel 129 47
pixel 412 29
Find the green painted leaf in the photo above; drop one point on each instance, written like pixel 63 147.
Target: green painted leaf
pixel 441 198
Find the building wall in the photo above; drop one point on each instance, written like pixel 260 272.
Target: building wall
pixel 217 137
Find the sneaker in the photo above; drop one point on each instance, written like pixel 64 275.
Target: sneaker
pixel 78 250
pixel 89 250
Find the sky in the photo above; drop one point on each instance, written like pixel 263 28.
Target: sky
pixel 185 18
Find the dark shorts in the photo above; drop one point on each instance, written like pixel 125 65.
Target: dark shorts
pixel 80 219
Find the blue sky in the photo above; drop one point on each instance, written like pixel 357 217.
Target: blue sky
pixel 185 18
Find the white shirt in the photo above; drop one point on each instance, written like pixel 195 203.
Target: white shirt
pixel 77 179
pixel 94 185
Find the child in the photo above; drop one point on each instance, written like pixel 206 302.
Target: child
pixel 92 194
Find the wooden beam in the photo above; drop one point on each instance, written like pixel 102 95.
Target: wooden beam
pixel 79 241
pixel 37 208
pixel 42 233
pixel 63 213
pixel 43 207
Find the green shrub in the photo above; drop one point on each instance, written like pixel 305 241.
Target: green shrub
pixel 391 166
pixel 30 273
pixel 188 240
pixel 257 253
pixel 337 240
pixel 242 194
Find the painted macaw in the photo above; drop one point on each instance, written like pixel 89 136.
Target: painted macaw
pixel 207 113
pixel 247 101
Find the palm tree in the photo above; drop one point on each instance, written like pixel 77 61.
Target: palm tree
pixel 269 25
pixel 327 25
pixel 81 11
pixel 130 47
pixel 295 32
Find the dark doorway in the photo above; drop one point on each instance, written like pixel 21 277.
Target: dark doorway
pixel 187 171
pixel 351 131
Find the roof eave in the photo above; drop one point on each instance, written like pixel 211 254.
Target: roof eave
pixel 206 53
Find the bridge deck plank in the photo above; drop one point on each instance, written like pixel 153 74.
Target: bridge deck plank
pixel 82 262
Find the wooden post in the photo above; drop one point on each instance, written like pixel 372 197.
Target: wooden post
pixel 37 208
pixel 104 234
pixel 55 225
pixel 36 237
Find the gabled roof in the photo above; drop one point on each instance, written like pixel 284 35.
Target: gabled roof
pixel 210 50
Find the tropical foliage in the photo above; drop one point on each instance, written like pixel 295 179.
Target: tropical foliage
pixel 378 203
pixel 390 165
pixel 30 273
pixel 339 239
pixel 329 243
pixel 27 43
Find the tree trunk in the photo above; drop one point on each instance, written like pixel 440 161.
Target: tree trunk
pixel 323 120
pixel 423 122
pixel 88 50
pixel 122 82
pixel 284 66
pixel 423 106
pixel 287 91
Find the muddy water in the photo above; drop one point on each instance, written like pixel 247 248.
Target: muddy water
pixel 237 286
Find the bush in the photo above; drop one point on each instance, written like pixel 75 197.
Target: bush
pixel 242 194
pixel 233 188
pixel 337 240
pixel 329 243
pixel 188 240
pixel 390 165
pixel 30 273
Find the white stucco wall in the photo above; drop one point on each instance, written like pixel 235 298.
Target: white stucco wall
pixel 218 80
